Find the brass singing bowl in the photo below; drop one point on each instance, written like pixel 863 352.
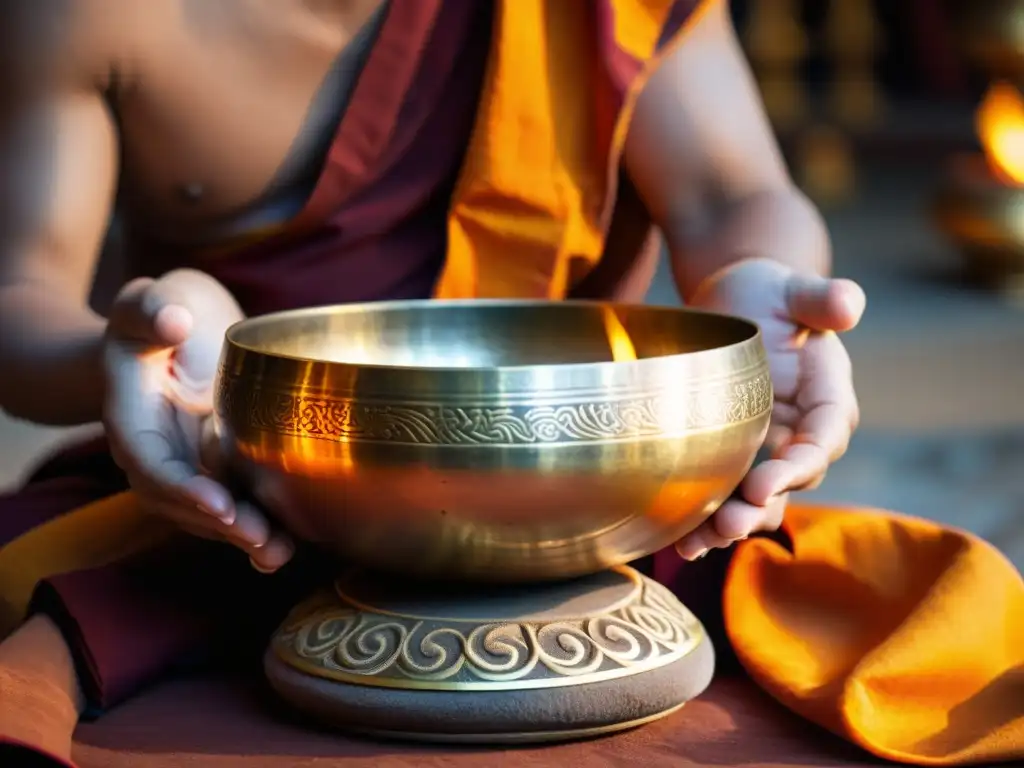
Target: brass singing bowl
pixel 492 440
pixel 982 217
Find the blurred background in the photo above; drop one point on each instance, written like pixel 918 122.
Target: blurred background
pixel 903 120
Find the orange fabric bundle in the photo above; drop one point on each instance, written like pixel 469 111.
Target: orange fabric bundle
pixel 902 636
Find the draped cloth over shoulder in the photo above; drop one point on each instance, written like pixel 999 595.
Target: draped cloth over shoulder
pixel 899 635
pixel 539 181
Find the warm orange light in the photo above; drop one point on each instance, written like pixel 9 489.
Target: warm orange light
pixel 618 339
pixel 1000 124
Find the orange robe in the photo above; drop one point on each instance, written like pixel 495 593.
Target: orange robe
pixel 901 636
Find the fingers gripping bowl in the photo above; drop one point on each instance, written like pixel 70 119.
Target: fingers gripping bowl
pixel 499 440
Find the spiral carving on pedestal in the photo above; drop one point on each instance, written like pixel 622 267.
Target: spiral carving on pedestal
pixel 330 638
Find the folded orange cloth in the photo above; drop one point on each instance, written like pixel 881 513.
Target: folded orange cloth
pixel 901 635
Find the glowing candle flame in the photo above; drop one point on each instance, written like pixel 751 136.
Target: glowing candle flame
pixel 619 342
pixel 1000 125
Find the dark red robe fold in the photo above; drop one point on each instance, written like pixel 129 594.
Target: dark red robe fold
pixel 374 227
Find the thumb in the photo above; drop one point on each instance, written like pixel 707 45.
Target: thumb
pixel 147 313
pixel 821 304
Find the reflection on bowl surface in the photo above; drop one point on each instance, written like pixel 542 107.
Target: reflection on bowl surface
pixel 501 440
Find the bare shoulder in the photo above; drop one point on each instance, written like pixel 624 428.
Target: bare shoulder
pixel 58 153
pixel 58 40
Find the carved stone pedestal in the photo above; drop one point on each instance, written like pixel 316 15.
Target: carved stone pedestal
pixel 490 664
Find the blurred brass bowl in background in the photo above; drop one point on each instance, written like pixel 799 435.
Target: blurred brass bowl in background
pixel 492 440
pixel 992 35
pixel 984 217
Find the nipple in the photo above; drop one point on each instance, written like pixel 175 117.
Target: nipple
pixel 192 192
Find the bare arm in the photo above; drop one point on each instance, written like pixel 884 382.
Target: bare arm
pixel 703 157
pixel 58 159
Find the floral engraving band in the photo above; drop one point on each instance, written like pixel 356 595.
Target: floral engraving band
pixel 328 638
pixel 328 418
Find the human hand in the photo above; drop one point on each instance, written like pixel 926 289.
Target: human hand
pixel 815 410
pixel 161 351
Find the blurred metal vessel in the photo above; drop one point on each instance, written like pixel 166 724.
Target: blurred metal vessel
pixel 980 201
pixel 992 35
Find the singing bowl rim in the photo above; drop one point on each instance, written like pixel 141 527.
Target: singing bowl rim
pixel 753 336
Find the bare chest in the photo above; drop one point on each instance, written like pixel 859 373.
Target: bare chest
pixel 228 108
